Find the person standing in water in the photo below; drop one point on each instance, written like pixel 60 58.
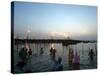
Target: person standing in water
pixel 70 57
pixel 23 54
pixel 58 65
pixel 51 50
pixel 54 53
pixel 30 52
pixel 76 61
pixel 41 51
pixel 91 55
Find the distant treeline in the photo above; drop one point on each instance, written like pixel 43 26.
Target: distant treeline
pixel 63 41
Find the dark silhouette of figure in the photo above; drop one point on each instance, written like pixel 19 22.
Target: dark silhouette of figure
pixel 91 55
pixel 76 61
pixel 51 50
pixel 23 54
pixel 54 53
pixel 41 51
pixel 70 57
pixel 57 65
pixel 60 66
pixel 30 52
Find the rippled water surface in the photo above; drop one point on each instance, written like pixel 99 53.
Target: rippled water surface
pixel 42 63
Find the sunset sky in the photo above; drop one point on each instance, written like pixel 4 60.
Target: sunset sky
pixel 42 20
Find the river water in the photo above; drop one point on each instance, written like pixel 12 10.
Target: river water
pixel 43 63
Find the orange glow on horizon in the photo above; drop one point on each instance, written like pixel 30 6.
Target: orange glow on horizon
pixel 64 34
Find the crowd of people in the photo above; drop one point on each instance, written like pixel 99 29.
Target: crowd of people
pixel 73 58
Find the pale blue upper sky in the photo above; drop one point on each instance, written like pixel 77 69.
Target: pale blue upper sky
pixel 43 18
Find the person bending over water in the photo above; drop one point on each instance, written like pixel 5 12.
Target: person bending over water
pixel 57 65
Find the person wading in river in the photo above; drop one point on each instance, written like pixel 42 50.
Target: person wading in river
pixel 91 55
pixel 70 57
pixel 57 65
pixel 76 61
pixel 41 51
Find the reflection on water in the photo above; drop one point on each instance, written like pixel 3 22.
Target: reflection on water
pixel 43 63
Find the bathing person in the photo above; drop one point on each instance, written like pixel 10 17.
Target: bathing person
pixel 51 50
pixel 41 51
pixel 58 65
pixel 91 55
pixel 54 53
pixel 23 54
pixel 76 61
pixel 70 57
pixel 30 52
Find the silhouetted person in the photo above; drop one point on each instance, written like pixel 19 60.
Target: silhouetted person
pixel 91 54
pixel 23 54
pixel 60 66
pixel 51 50
pixel 23 57
pixel 57 65
pixel 54 53
pixel 76 61
pixel 70 57
pixel 41 51
pixel 30 52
